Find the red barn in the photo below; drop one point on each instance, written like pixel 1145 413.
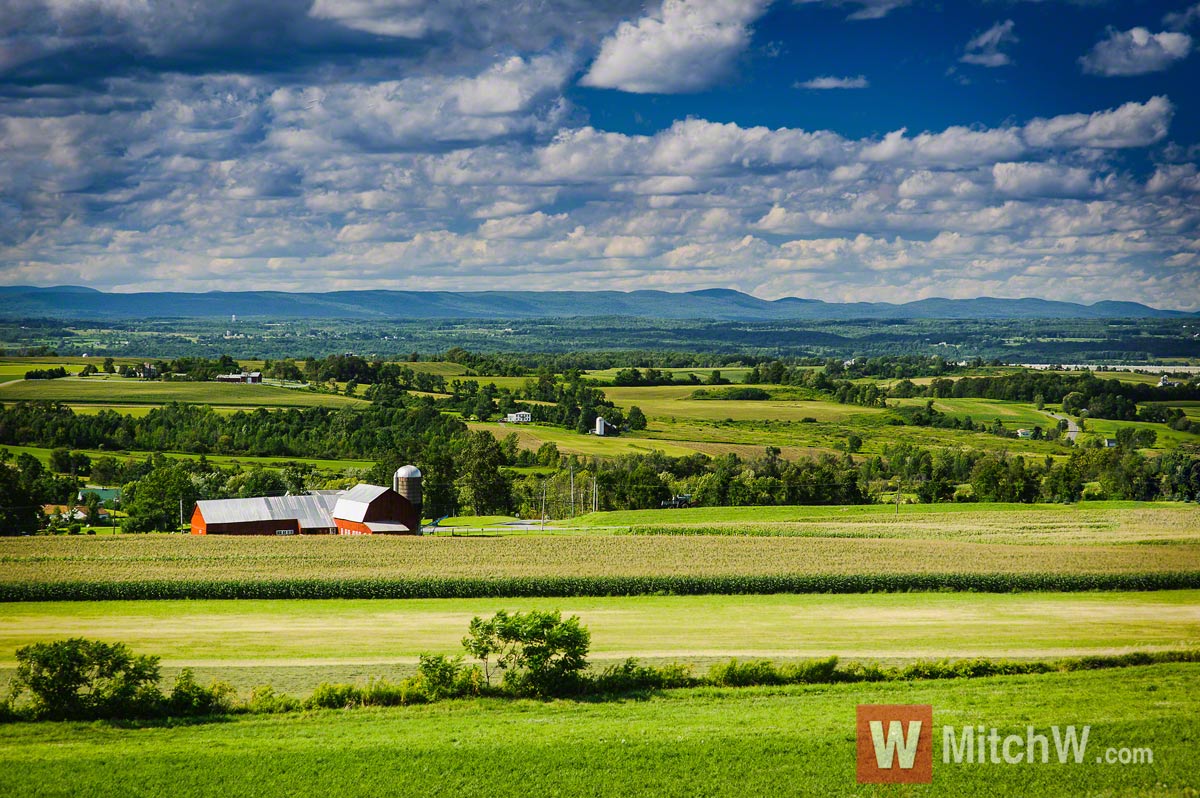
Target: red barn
pixel 268 515
pixel 375 510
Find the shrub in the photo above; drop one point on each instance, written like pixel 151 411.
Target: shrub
pixel 630 677
pixel 334 696
pixel 190 698
pixel 264 699
pixel 382 693
pixel 80 679
pixel 817 671
pixel 744 674
pixel 438 675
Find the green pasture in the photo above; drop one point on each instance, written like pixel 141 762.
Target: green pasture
pixel 119 390
pixel 796 740
pixel 985 410
pixel 531 436
pixel 674 401
pixel 1101 522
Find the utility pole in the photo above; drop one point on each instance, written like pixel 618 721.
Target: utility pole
pixel 544 483
pixel 899 485
pixel 595 495
pixel 181 513
pixel 572 491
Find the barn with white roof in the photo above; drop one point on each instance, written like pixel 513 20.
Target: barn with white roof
pixel 362 510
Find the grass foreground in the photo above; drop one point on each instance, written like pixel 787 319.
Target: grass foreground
pixel 796 740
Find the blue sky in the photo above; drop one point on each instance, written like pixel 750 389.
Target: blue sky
pixel 840 150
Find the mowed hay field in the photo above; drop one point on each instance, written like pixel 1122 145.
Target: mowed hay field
pixel 1033 524
pixel 119 390
pixel 892 627
pixel 739 742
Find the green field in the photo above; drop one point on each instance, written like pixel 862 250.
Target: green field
pixel 119 390
pixel 748 741
pixel 531 436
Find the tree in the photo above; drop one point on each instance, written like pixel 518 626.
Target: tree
pixel 538 652
pixel 18 509
pixel 853 443
pixel 81 679
pixel 487 489
pixel 153 502
pixel 108 365
pixel 636 418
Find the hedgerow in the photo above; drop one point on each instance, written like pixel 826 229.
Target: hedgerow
pixel 594 585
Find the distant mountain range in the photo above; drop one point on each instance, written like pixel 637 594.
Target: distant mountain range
pixel 74 302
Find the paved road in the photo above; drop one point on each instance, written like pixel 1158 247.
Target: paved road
pixel 1072 427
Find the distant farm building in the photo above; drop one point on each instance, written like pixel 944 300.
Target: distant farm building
pixel 1024 433
pixel 603 427
pixel 249 377
pixel 519 417
pixel 362 510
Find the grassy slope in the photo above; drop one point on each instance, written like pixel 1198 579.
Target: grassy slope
pixel 107 391
pixel 760 741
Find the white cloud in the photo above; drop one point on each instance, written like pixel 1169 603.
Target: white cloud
pixel 830 82
pixel 685 46
pixel 1182 20
pixel 1136 52
pixel 866 9
pixel 984 49
pixel 1130 125
pixel 1041 180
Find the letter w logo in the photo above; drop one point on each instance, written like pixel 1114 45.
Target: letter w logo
pixel 886 745
pixel 895 744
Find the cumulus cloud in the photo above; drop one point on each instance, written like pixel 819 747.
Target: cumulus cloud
pixel 445 153
pixel 1136 52
pixel 984 49
pixel 1130 125
pixel 830 82
pixel 685 46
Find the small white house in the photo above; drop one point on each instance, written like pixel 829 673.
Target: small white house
pixel 1024 433
pixel 519 417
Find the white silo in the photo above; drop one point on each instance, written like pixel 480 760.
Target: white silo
pixel 407 482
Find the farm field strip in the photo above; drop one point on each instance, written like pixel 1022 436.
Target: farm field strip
pixel 47 561
pixel 892 627
pixel 119 390
pixel 43 454
pixel 739 741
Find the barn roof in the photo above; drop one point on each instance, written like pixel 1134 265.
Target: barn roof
pixel 313 512
pixel 352 505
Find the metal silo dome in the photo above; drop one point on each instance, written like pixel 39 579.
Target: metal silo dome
pixel 408 472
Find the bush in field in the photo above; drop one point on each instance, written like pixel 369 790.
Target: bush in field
pixel 538 652
pixel 264 699
pixel 745 674
pixel 80 679
pixel 188 697
pixel 438 675
pixel 630 677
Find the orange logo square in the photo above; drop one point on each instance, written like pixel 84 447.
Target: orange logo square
pixel 895 743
